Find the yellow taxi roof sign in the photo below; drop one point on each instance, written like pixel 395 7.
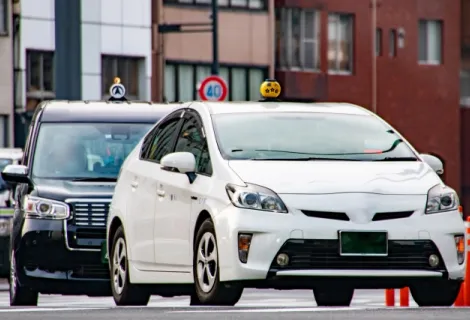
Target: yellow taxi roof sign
pixel 270 89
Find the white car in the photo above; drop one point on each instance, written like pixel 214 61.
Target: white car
pixel 222 196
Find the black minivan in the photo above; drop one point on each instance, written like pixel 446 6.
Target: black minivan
pixel 64 185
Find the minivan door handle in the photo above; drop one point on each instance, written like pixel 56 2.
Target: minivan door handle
pixel 160 193
pixel 134 184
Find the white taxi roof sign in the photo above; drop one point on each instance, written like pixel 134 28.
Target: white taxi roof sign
pixel 117 91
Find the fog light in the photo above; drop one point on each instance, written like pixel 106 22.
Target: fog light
pixel 282 259
pixel 244 242
pixel 433 260
pixel 460 248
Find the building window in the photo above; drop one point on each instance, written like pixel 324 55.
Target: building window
pixel 127 69
pixel 235 4
pixel 39 77
pixel 340 43
pixel 392 43
pixel 182 81
pixel 297 39
pixel 378 42
pixel 4 17
pixel 430 42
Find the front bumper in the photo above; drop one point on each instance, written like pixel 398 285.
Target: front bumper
pixel 45 260
pixel 313 247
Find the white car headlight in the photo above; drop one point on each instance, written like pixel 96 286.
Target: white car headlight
pixel 441 198
pixel 41 208
pixel 255 197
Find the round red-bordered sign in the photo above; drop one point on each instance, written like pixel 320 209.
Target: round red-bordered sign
pixel 213 88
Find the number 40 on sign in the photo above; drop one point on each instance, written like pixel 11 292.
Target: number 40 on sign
pixel 213 88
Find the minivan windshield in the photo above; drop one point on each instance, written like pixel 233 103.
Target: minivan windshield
pixel 308 136
pixel 84 151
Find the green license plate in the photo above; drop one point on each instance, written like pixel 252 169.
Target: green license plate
pixel 104 253
pixel 363 243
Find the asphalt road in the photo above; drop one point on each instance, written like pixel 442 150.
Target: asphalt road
pixel 255 304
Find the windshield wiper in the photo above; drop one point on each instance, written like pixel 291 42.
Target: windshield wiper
pixel 397 159
pixel 97 179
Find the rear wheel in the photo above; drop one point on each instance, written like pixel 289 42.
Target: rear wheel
pixel 124 292
pixel 208 288
pixel 20 295
pixel 436 293
pixel 333 296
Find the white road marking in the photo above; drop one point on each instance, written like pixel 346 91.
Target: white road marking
pixel 243 310
pixel 48 309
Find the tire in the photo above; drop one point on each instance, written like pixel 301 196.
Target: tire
pixel 209 291
pixel 124 292
pixel 20 295
pixel 333 296
pixel 437 293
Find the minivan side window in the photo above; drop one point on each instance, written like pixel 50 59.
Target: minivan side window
pixel 163 140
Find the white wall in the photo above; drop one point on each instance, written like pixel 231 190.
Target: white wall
pixel 116 27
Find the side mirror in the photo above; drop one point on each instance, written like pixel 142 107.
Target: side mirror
pixel 434 162
pixel 16 173
pixel 182 162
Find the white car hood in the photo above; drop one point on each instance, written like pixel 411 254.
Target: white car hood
pixel 321 177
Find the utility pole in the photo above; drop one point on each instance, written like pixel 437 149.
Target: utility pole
pixel 215 38
pixel 68 50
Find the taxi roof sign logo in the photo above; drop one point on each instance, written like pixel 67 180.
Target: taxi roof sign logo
pixel 117 90
pixel 270 89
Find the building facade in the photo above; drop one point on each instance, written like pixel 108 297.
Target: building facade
pixel 116 41
pixel 325 51
pixel 182 60
pixel 6 75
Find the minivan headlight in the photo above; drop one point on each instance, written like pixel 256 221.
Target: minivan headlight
pixel 255 197
pixel 441 198
pixel 40 208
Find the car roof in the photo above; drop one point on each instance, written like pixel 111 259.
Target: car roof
pixel 263 107
pixel 11 153
pixel 104 111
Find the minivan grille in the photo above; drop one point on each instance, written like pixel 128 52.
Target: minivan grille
pixel 90 214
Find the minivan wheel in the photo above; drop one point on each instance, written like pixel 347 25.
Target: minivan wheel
pixel 436 293
pixel 19 295
pixel 124 292
pixel 208 288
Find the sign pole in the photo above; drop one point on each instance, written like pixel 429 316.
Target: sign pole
pixel 215 38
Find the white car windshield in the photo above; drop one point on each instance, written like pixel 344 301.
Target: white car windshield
pixel 308 136
pixel 84 150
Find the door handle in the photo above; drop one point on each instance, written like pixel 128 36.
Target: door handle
pixel 134 184
pixel 161 193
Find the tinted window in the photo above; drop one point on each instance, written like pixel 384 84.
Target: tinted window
pixel 84 150
pixel 162 143
pixel 191 140
pixel 300 135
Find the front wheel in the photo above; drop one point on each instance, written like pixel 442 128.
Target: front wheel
pixel 124 292
pixel 437 293
pixel 333 296
pixel 208 288
pixel 19 295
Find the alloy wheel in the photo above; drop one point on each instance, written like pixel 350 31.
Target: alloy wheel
pixel 119 266
pixel 207 262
